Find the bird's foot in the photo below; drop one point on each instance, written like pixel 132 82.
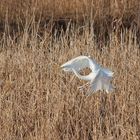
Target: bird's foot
pixel 81 88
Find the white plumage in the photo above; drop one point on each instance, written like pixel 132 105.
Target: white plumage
pixel 99 78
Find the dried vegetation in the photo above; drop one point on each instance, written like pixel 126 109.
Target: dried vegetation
pixel 38 100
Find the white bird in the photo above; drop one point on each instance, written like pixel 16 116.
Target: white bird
pixel 100 78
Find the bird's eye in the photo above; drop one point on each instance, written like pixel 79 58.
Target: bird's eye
pixel 85 71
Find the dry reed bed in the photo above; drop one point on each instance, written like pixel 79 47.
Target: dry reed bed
pixel 103 13
pixel 63 8
pixel 39 101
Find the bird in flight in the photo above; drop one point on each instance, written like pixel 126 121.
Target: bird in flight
pixel 98 79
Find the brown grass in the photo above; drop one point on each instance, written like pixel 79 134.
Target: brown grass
pixel 62 8
pixel 39 101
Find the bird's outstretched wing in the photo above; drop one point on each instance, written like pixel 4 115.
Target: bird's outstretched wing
pixel 77 63
pixel 101 82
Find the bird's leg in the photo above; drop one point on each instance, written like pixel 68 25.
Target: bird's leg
pixel 83 86
pixel 72 78
pixel 89 92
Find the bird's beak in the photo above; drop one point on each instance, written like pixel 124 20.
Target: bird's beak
pixel 66 68
pixel 63 68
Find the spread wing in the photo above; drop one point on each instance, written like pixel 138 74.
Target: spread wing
pixel 101 82
pixel 77 63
